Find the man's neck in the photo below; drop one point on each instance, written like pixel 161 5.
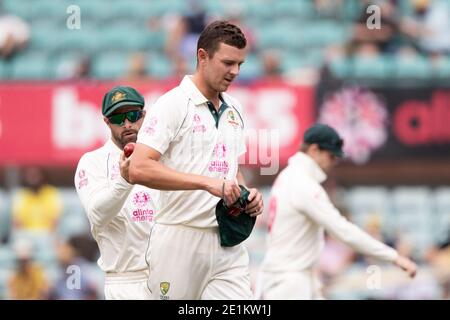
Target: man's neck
pixel 117 143
pixel 209 94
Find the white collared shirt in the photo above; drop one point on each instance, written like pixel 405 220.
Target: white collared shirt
pixel 120 214
pixel 300 211
pixel 182 128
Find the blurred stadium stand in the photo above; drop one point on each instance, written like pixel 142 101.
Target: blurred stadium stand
pixel 111 30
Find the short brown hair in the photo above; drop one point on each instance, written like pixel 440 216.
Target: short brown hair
pixel 220 31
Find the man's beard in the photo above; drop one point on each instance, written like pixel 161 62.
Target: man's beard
pixel 122 140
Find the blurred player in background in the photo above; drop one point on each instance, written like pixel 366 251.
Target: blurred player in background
pixel 120 214
pixel 190 142
pixel 300 211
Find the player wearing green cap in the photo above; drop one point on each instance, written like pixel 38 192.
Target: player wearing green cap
pixel 120 214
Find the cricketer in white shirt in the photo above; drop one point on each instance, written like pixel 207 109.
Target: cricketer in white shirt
pixel 300 212
pixel 120 214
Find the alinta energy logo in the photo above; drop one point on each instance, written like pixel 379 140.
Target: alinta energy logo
pixel 360 117
pixel 141 201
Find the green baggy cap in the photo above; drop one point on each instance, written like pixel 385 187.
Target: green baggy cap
pixel 234 224
pixel 121 96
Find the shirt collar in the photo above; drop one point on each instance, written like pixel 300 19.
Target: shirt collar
pixel 112 147
pixel 195 95
pixel 307 163
pixel 192 91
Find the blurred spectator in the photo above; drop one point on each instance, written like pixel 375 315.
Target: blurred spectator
pixel 384 38
pixel 335 259
pixel 14 35
pixel 328 8
pixel 74 280
pixel 429 25
pixel 86 247
pixel 367 50
pixel 237 19
pixel 76 69
pixel 271 65
pixel 38 205
pixel 28 281
pixel 184 32
pixel 137 67
pixel 180 68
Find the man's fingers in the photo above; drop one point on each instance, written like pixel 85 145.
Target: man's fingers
pixel 256 213
pixel 236 191
pixel 252 194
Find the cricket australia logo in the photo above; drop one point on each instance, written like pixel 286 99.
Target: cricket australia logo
pixel 232 119
pixel 164 287
pixel 118 96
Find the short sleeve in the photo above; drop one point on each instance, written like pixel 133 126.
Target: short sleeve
pixel 161 124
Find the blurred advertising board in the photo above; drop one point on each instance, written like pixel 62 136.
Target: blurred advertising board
pixel 388 123
pixel 55 123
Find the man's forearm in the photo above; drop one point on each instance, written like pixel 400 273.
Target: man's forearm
pixel 155 175
pixel 240 178
pixel 107 203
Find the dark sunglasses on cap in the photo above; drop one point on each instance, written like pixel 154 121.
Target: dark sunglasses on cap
pixel 119 119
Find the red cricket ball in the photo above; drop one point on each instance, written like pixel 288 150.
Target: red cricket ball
pixel 128 149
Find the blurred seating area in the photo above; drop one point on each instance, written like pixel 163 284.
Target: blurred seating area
pixel 320 35
pixel 50 251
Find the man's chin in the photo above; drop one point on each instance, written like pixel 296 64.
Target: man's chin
pixel 223 88
pixel 129 139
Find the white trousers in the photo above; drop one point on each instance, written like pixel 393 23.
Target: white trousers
pixel 189 263
pixel 301 285
pixel 127 286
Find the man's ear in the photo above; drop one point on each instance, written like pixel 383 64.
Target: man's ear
pixel 143 113
pixel 105 120
pixel 202 55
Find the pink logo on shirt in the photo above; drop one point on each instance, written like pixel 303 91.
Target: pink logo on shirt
pixel 141 200
pixel 83 179
pixel 150 128
pixel 220 153
pixel 220 150
pixel 198 127
pixel 115 171
pixel 140 215
pixel 219 166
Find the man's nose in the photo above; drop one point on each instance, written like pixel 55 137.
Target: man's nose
pixel 235 70
pixel 127 123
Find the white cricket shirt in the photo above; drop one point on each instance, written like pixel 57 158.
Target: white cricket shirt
pixel 300 212
pixel 120 214
pixel 193 138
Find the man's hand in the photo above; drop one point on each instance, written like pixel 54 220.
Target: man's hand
pixel 124 166
pixel 407 265
pixel 256 205
pixel 225 189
